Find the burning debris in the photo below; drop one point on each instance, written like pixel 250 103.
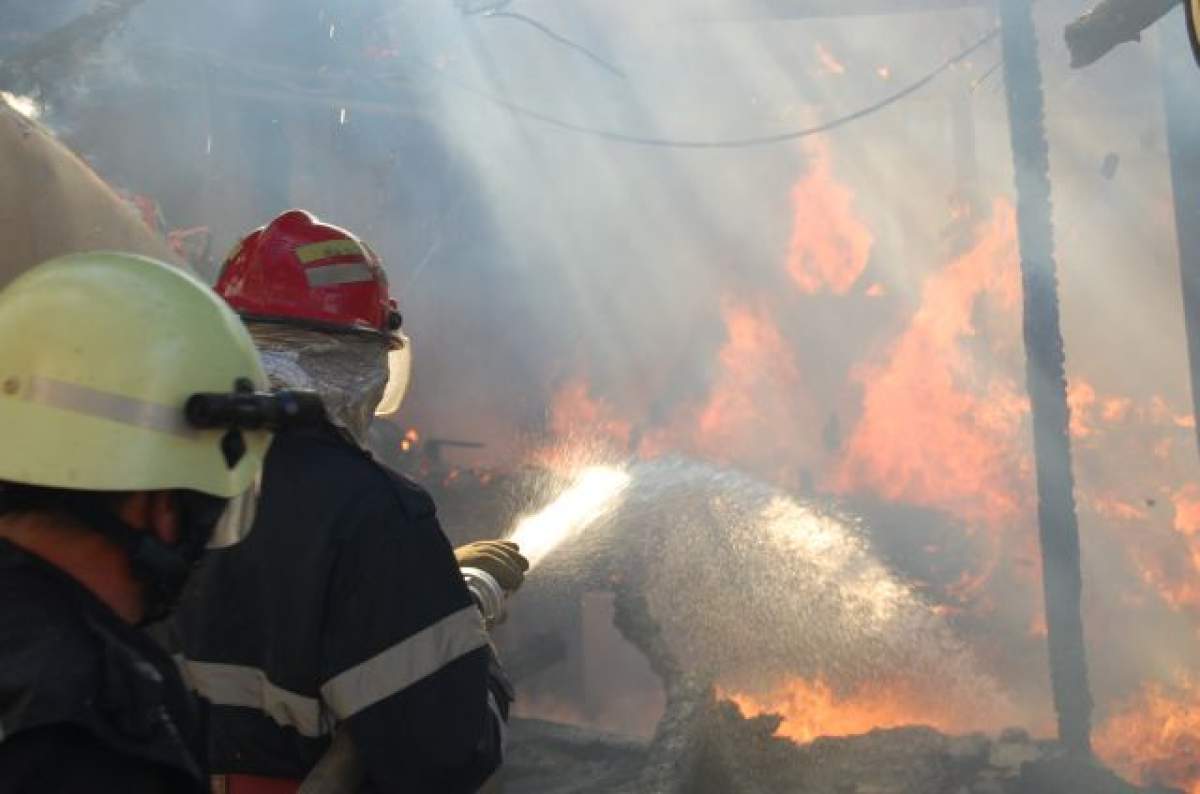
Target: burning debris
pixel 712 748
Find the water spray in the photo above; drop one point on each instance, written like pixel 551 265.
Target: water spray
pixel 590 494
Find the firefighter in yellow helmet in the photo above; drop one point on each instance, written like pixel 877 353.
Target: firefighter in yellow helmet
pixel 134 421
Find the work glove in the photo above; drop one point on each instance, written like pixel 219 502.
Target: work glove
pixel 500 558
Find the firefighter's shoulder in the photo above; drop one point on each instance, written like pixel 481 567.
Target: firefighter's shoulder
pixel 64 660
pixel 320 460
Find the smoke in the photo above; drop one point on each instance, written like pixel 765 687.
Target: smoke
pixel 808 312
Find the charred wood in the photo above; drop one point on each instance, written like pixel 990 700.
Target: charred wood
pixel 1110 24
pixel 1046 378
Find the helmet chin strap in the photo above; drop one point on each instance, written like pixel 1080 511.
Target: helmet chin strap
pixel 162 569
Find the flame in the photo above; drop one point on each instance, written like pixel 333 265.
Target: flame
pixel 1115 409
pixel 942 426
pixel 1154 738
pixel 1187 511
pixel 938 428
pixel 812 708
pixel 1081 399
pixel 830 243
pixel 756 414
pixel 1093 412
pixel 1117 509
pixel 574 412
pixel 1171 567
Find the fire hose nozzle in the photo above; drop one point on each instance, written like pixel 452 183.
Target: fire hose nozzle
pixel 488 594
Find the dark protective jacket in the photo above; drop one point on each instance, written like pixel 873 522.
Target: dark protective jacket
pixel 344 605
pixel 87 702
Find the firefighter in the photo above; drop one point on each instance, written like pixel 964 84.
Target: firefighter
pixel 345 609
pixel 111 487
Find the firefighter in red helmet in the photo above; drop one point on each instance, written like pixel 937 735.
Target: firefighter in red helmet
pixel 346 612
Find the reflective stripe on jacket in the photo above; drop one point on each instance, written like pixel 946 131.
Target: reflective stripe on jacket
pixel 344 605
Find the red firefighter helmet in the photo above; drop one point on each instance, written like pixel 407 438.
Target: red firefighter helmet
pixel 299 271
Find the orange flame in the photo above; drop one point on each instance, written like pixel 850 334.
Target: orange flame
pixel 756 414
pixel 1172 568
pixel 1081 399
pixel 1154 738
pixel 574 412
pixel 938 429
pixel 811 709
pixel 830 243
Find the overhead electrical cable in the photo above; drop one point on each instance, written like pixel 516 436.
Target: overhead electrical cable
pixel 555 36
pixel 733 143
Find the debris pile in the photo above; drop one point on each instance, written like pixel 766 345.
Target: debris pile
pixel 710 748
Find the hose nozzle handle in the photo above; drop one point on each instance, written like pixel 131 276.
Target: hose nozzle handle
pixel 487 593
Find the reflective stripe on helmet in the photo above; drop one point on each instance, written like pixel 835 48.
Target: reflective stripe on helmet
pixel 100 404
pixel 329 275
pixel 328 249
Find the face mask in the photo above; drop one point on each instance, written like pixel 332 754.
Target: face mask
pixel 163 570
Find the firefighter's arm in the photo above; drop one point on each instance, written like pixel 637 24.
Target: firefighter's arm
pixel 407 667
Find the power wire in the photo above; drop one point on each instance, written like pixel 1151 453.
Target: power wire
pixel 555 36
pixel 734 143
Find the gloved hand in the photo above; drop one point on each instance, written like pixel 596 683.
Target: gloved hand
pixel 500 558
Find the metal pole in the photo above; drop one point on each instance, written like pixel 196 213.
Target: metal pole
pixel 1181 101
pixel 1045 372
